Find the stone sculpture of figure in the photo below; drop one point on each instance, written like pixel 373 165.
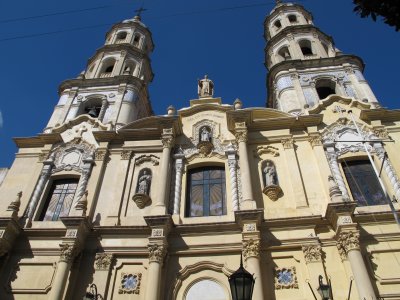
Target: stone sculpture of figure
pixel 270 174
pixel 205 135
pixel 144 183
pixel 205 87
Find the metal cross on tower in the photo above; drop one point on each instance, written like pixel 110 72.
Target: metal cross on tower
pixel 140 10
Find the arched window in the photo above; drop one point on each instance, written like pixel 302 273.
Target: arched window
pixel 59 200
pixel 121 36
pixel 92 107
pixel 284 53
pixel 292 18
pixel 206 194
pixel 214 291
pixel 325 87
pixel 363 183
pixel 278 24
pixel 136 39
pixel 306 48
pixel 107 68
pixel 129 68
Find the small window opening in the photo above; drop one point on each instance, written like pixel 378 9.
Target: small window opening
pixel 93 111
pixel 284 53
pixel 305 46
pixel 109 69
pixel 325 87
pixel 121 35
pixel 278 24
pixel 292 18
pixel 136 40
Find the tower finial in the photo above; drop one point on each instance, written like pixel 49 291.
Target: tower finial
pixel 139 12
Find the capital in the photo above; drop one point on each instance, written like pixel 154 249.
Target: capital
pixel 251 248
pixel 347 241
pixel 157 252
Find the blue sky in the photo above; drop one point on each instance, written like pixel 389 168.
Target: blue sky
pixel 192 38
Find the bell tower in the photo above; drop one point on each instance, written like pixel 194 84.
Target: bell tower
pixel 304 65
pixel 113 87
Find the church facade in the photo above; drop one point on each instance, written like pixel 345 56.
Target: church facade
pixel 162 207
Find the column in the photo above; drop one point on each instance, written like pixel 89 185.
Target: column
pixel 168 142
pixel 178 182
pixel 68 253
pixel 251 254
pixel 104 104
pixel 247 189
pixel 156 257
pixel 232 164
pixel 348 243
pixel 44 176
pixel 102 266
pixel 333 163
pixel 294 171
pixel 313 258
pixel 387 166
pixel 85 174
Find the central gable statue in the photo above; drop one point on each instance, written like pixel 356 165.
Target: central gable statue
pixel 205 87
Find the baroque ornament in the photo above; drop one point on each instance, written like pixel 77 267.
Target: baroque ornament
pixel 251 248
pixel 156 253
pixel 312 253
pixel 347 241
pixel 68 252
pixel 286 278
pixel 103 261
pixel 130 283
pixel 273 192
pixel 288 143
pixel 126 154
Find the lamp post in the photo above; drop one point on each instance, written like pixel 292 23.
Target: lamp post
pixel 92 293
pixel 324 289
pixel 241 283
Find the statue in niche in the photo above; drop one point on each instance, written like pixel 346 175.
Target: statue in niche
pixel 144 183
pixel 205 87
pixel 142 197
pixel 270 174
pixel 271 186
pixel 205 135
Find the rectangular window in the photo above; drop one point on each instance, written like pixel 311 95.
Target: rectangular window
pixel 364 185
pixel 59 200
pixel 206 192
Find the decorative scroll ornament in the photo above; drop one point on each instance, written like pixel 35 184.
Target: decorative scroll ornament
pixel 312 253
pixel 68 252
pixel 288 143
pixel 251 248
pixel 315 140
pixel 126 154
pixel 347 241
pixel 241 136
pixel 381 133
pixel 130 283
pixel 157 253
pixel 266 150
pixel 286 278
pixel 103 261
pixel 153 159
pixel 100 155
pixel 168 141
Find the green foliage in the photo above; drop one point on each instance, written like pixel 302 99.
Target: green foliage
pixel 389 10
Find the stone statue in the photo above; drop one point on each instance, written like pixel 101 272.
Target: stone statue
pixel 205 135
pixel 144 183
pixel 205 87
pixel 270 174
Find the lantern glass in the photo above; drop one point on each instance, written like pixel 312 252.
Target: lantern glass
pixel 241 283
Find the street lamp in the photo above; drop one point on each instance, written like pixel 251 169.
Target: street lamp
pixel 241 283
pixel 324 289
pixel 92 293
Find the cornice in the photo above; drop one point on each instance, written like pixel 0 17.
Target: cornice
pixel 258 119
pixel 306 28
pixel 37 141
pixel 150 128
pixel 380 114
pixel 98 82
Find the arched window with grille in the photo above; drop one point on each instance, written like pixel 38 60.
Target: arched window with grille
pixel 206 192
pixel 59 199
